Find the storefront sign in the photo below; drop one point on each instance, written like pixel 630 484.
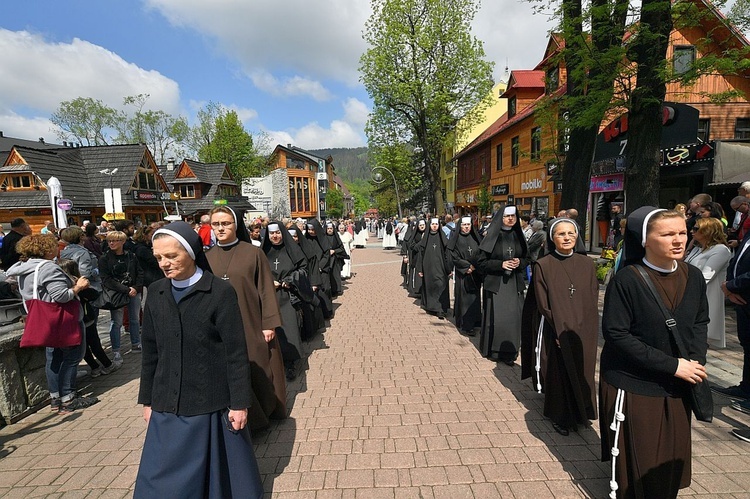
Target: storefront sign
pixel 41 211
pixel 79 212
pixel 145 196
pixel 531 185
pixel 607 183
pixel 558 186
pixel 500 190
pixel 686 154
pixel 65 204
pixel 511 199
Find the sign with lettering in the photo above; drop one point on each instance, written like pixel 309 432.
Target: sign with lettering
pixel 64 204
pixel 145 196
pixel 607 183
pixel 532 185
pixel 500 190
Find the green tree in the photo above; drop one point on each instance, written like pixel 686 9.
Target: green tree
pixel 361 190
pixel 423 71
pixel 334 203
pixel 233 145
pixel 739 15
pixel 90 122
pixel 484 198
pixel 163 133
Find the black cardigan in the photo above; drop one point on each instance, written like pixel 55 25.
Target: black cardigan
pixel 194 353
pixel 639 354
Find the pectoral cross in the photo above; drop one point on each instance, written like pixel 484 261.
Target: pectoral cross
pixel 276 264
pixel 572 289
pixel 225 278
pixel 510 253
pixel 434 246
pixel 470 250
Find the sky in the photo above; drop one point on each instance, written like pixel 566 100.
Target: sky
pixel 289 68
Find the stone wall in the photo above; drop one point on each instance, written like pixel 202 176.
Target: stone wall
pixel 281 207
pixel 23 382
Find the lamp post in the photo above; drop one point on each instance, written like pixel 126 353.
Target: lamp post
pixel 378 177
pixel 111 172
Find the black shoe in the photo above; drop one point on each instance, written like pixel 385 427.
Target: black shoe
pixel 743 406
pixel 735 392
pixel 742 434
pixel 559 429
pixel 441 316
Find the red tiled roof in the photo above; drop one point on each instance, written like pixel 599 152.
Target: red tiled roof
pixel 526 78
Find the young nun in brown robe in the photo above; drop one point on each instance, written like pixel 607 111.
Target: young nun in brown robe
pixel 561 329
pixel 246 267
pixel 644 387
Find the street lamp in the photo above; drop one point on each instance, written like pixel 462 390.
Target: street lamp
pixel 111 172
pixel 378 178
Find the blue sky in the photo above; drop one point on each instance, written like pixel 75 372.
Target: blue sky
pixel 288 67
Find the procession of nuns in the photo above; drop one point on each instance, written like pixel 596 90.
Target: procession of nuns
pixel 550 318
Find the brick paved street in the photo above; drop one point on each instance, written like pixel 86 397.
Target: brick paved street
pixel 393 403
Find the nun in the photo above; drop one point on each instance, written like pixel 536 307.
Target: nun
pixel 360 233
pixel 313 320
pixel 414 283
pixel 464 254
pixel 503 257
pixel 322 251
pixel 433 268
pixel 195 380
pixel 236 260
pixel 289 270
pixel 348 241
pixel 389 236
pixel 561 330
pixel 644 385
pixel 338 256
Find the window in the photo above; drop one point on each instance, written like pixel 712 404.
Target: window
pixel 552 81
pixel 187 191
pixel 536 143
pixel 515 151
pixel 20 181
pixel 682 61
pixel 295 164
pixel 299 193
pixel 512 106
pixel 742 128
pixel 499 160
pixel 704 129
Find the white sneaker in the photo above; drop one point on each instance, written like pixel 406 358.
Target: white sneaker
pixel 117 359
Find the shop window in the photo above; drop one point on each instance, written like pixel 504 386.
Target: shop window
pixel 299 194
pixel 536 143
pixel 683 59
pixel 187 191
pixel 742 128
pixel 515 151
pixel 704 130
pixel 499 156
pixel 511 106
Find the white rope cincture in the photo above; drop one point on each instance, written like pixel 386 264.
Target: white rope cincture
pixel 538 351
pixel 615 426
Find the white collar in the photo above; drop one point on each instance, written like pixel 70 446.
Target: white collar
pixel 565 255
pixel 227 245
pixel 186 283
pixel 659 269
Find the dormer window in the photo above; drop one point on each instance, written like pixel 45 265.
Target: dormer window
pixel 187 191
pixel 18 182
pixel 511 106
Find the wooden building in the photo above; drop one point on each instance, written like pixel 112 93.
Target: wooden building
pixel 308 176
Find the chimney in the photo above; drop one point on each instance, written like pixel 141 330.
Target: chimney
pixel 1 134
pixel 41 139
pixel 170 164
pixel 289 146
pixel 65 143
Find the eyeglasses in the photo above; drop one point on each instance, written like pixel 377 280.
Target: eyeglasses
pixel 221 224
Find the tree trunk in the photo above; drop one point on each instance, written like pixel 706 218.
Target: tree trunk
pixel 645 120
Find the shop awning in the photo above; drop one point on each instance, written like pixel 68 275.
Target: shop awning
pixel 731 162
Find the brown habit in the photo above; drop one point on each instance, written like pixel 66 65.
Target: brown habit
pixel 250 275
pixel 567 371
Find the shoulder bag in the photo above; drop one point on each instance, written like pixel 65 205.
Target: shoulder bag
pixel 110 299
pixel 50 324
pixel 701 400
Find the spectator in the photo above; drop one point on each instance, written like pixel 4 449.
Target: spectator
pixel 91 240
pixel 8 253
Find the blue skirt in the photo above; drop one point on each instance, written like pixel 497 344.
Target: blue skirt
pixel 197 457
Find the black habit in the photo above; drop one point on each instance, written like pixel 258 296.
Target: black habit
pixel 464 254
pixel 433 265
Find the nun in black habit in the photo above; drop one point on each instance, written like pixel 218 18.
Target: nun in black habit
pixel 464 254
pixel 503 258
pixel 317 240
pixel 433 267
pixel 414 283
pixel 289 269
pixel 313 320
pixel 338 255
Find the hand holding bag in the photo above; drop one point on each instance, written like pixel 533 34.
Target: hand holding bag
pixel 50 324
pixel 701 400
pixel 109 299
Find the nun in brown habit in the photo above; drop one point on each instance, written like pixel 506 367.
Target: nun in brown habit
pixel 644 401
pixel 561 329
pixel 246 268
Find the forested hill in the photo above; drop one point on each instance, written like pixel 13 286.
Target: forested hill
pixel 351 163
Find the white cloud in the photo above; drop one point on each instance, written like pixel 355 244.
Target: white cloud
pixel 15 125
pixel 320 40
pixel 356 112
pixel 345 132
pixel 245 114
pixel 294 86
pixel 39 74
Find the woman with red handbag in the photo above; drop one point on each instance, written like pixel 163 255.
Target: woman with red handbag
pixel 42 280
